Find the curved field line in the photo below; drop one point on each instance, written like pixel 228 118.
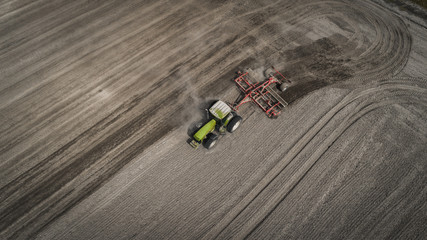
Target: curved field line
pixel 302 172
pixel 296 149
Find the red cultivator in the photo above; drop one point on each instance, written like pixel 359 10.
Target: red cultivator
pixel 262 93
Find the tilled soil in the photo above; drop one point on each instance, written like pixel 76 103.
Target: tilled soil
pixel 97 99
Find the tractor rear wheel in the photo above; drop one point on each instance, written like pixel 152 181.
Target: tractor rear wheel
pixel 211 140
pixel 283 87
pixel 234 123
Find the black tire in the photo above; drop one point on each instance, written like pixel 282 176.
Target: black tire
pixel 283 87
pixel 210 141
pixel 234 123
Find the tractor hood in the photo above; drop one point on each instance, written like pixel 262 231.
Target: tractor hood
pixel 220 110
pixel 207 128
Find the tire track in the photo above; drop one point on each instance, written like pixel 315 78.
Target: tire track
pixel 389 42
pixel 88 52
pixel 383 53
pixel 12 211
pixel 361 111
pixel 81 97
pixel 236 211
pixel 393 43
pixel 20 208
pixel 114 72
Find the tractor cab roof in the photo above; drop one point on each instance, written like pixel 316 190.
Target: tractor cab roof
pixel 220 110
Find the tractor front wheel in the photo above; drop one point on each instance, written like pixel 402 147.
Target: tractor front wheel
pixel 234 123
pixel 211 140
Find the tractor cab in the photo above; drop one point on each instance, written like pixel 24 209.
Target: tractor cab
pixel 222 113
pixel 221 118
pixel 220 110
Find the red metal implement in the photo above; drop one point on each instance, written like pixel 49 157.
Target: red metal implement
pixel 261 93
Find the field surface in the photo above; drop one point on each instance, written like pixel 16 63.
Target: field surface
pixel 97 99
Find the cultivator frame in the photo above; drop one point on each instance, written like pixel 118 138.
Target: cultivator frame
pixel 261 93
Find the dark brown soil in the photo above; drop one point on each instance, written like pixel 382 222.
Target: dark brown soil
pixel 95 98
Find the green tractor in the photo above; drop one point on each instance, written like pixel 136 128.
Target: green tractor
pixel 222 119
